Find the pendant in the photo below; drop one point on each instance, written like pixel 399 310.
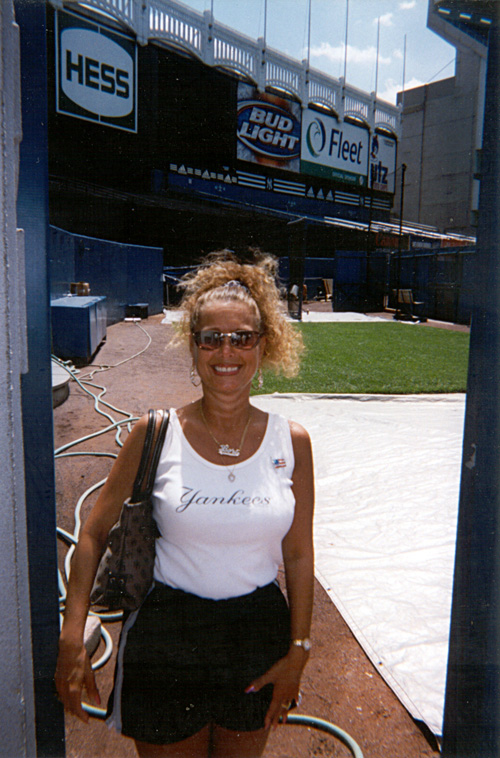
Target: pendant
pixel 226 450
pixel 231 476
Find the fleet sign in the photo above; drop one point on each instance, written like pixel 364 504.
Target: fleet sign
pixel 383 163
pixel 268 130
pixel 96 73
pixel 334 149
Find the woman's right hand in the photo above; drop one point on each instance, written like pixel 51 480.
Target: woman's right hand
pixel 73 675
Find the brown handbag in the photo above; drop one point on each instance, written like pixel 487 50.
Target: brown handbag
pixel 125 572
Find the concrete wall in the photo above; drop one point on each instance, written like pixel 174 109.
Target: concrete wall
pixel 17 723
pixel 441 131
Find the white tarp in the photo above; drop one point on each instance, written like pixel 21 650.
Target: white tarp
pixel 387 480
pixel 310 316
pixel 171 316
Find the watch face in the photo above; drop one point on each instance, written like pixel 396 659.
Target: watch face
pixel 306 644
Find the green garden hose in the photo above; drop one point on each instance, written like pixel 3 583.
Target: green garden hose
pixel 293 719
pixel 325 726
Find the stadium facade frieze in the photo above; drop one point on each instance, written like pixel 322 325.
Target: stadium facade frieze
pixel 304 198
pixel 147 118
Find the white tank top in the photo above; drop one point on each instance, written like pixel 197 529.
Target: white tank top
pixel 222 539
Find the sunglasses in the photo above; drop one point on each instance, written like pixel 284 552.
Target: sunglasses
pixel 211 339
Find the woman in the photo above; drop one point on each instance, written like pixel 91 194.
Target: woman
pixel 213 659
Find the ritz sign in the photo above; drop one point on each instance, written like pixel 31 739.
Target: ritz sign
pixel 96 73
pixel 383 151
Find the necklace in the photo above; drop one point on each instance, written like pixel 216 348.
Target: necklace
pixel 224 448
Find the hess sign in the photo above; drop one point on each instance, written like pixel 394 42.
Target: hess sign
pixel 96 73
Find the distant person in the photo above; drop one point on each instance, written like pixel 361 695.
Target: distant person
pixel 214 657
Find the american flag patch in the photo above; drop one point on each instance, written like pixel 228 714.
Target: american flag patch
pixel 279 462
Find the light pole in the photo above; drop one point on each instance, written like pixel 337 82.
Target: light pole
pixel 397 315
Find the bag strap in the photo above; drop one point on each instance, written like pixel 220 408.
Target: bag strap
pixel 146 450
pixel 155 456
pixel 145 479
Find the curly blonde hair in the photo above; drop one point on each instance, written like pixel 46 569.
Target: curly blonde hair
pixel 221 277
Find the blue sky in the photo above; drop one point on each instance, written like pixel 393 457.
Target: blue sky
pixel 428 57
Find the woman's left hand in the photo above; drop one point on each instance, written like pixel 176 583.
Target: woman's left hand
pixel 285 675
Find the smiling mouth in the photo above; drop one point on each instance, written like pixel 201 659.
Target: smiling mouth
pixel 226 369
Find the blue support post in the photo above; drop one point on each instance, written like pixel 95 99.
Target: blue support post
pixel 32 216
pixel 472 707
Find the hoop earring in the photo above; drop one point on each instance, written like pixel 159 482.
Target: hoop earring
pixel 192 376
pixel 260 381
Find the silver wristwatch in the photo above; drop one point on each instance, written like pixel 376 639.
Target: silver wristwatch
pixel 305 643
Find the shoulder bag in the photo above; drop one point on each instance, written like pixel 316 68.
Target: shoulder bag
pixel 125 572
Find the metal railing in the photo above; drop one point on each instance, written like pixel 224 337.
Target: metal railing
pixel 167 23
pixel 174 24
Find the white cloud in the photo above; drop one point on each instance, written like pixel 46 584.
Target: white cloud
pixel 407 5
pixel 354 54
pixel 385 20
pixel 414 82
pixel 397 54
pixel 392 88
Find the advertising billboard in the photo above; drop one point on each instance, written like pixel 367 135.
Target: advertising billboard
pixel 383 151
pixel 96 72
pixel 268 129
pixel 334 149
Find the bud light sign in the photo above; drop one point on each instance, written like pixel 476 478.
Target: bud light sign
pixel 96 73
pixel 268 129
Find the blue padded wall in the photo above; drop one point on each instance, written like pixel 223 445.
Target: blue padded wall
pixel 124 274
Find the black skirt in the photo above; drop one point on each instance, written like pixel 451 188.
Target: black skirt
pixel 185 661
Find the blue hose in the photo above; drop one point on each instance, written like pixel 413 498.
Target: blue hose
pixel 326 726
pixel 293 718
pixel 92 710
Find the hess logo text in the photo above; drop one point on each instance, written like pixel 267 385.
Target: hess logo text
pixel 96 73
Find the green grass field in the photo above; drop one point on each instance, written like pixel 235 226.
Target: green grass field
pixel 377 358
